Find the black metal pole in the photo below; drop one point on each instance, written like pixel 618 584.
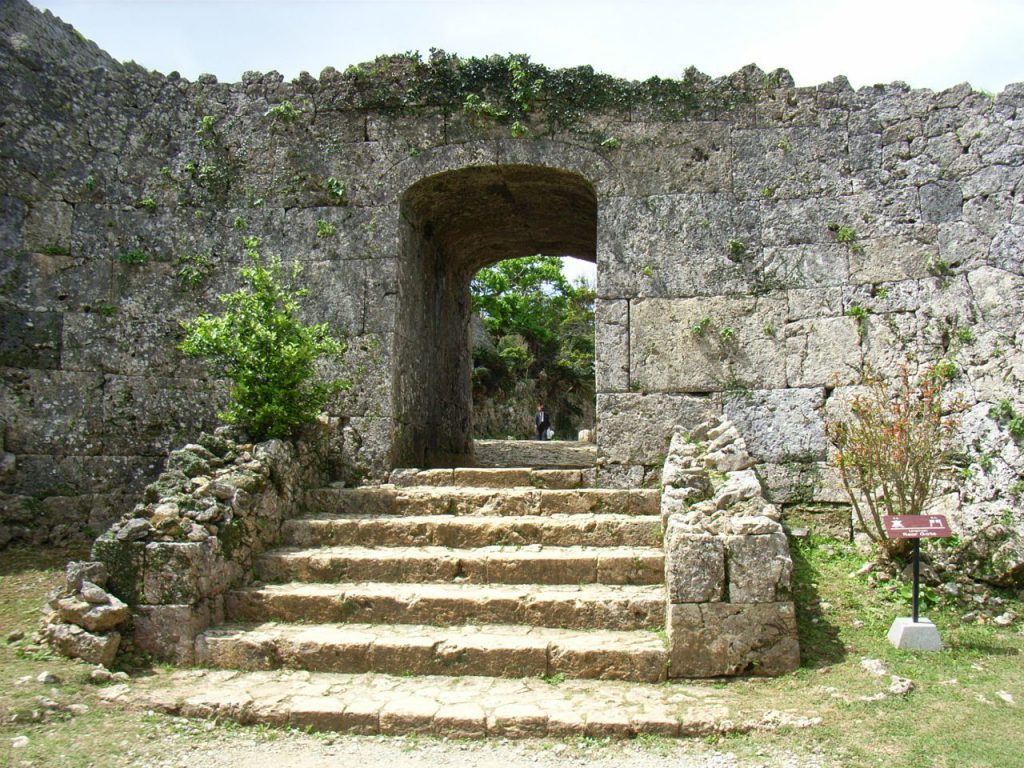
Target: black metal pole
pixel 917 573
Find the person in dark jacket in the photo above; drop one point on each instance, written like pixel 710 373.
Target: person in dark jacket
pixel 542 422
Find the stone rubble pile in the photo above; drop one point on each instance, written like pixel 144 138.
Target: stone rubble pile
pixel 727 562
pixel 167 564
pixel 84 618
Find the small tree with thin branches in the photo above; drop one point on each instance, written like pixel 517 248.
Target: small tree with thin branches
pixel 894 448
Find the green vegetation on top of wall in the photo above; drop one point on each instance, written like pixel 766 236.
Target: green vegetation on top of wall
pixel 507 89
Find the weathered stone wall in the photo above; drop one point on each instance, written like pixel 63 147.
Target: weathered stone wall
pixel 756 244
pixel 727 564
pixel 170 560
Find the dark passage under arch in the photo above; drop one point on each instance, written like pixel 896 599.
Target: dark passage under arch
pixel 452 225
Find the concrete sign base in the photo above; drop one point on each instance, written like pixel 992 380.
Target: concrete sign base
pixel 920 636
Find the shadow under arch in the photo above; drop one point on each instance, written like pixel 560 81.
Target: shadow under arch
pixel 451 225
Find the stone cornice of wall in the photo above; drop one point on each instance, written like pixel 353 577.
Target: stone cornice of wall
pixel 728 570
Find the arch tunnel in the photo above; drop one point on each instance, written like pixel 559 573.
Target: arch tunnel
pixel 452 225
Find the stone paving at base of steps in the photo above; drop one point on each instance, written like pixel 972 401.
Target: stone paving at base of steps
pixel 459 707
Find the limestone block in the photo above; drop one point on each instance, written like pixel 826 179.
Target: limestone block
pixel 71 640
pixel 337 288
pixel 90 616
pixel 781 425
pixel 673 245
pixel 815 303
pixel 48 226
pixel 999 296
pixel 678 475
pixel 694 566
pixel 169 632
pixel 367 364
pixel 825 351
pixel 885 259
pixel 12 212
pixel 182 573
pixel 707 345
pixel 941 201
pixel 611 363
pixel 676 501
pixel 716 639
pixel 1008 248
pixel 814 265
pixel 78 571
pixel 794 162
pixel 731 458
pixel 125 562
pixel 796 482
pixel 54 412
pixel 760 568
pixel 659 158
pixel 738 486
pixel 636 428
pixel 141 413
pixel 30 339
pixel 123 344
pixel 791 221
pixel 722 435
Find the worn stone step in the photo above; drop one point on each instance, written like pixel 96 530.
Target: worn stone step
pixel 405 649
pixel 618 607
pixel 427 500
pixel 533 453
pixel 452 707
pixel 531 564
pixel 495 477
pixel 462 531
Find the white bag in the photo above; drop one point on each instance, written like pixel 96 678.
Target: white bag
pixel 550 433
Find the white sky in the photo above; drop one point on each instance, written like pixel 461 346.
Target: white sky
pixel 926 43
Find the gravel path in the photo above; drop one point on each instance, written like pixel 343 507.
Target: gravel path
pixel 297 751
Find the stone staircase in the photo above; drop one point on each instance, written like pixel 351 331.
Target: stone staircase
pixel 511 573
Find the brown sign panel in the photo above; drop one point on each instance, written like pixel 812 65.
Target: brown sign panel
pixel 916 526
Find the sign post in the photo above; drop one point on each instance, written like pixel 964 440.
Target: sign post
pixel 916 633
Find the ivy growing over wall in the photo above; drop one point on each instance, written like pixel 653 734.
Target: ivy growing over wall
pixel 510 88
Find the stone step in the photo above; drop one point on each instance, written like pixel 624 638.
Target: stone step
pixel 616 607
pixel 426 500
pixel 404 649
pixel 606 530
pixel 446 707
pixel 531 564
pixel 533 453
pixel 495 477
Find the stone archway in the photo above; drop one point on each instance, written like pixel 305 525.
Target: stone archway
pixel 451 225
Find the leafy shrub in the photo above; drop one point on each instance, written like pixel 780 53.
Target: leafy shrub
pixel 265 350
pixel 193 269
pixel 284 112
pixel 894 448
pixel 1004 413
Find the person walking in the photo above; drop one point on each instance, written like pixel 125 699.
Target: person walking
pixel 542 422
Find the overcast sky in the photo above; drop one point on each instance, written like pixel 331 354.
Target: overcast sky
pixel 930 44
pixel 926 43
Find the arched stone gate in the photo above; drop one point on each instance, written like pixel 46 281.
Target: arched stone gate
pixel 452 225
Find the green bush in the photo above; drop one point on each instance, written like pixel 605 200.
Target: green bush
pixel 268 354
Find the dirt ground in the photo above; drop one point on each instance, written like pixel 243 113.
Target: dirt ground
pixel 297 751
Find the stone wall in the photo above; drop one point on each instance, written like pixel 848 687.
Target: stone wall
pixel 166 564
pixel 756 245
pixel 728 570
